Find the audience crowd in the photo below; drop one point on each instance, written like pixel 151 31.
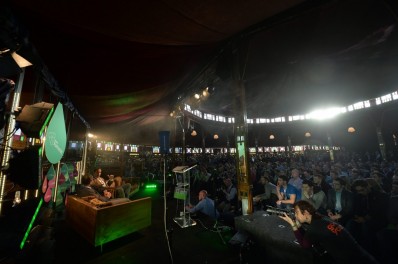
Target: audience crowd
pixel 359 191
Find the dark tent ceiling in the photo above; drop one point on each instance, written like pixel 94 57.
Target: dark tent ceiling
pixel 124 64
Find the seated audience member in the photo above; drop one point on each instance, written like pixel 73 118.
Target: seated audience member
pixel 332 175
pixel 329 241
pixel 205 206
pixel 319 181
pixel 370 214
pixel 295 179
pixel 314 195
pixel 353 176
pixel 229 200
pixel 340 202
pixel 388 237
pixel 268 196
pixel 287 193
pixel 374 185
pixel 307 175
pixel 86 190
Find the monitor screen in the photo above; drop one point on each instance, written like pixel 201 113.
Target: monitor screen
pixel 156 150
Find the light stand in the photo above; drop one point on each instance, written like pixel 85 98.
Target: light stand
pixel 182 193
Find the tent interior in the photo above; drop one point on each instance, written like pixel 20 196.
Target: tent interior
pixel 300 72
pixel 121 69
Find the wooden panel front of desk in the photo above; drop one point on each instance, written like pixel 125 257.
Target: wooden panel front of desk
pixel 101 225
pixel 275 236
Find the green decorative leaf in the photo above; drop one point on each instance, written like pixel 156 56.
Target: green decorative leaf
pixel 56 136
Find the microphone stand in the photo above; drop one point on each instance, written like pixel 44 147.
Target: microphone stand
pixel 168 231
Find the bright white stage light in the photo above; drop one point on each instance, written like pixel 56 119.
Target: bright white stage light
pixel 323 114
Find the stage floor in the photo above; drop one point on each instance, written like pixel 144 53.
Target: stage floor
pixel 193 244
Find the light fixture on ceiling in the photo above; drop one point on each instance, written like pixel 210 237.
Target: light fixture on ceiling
pixel 307 134
pixel 351 130
pixel 11 63
pixel 22 62
pixel 197 96
pixel 205 92
pixel 193 133
pixel 271 137
pixel 215 136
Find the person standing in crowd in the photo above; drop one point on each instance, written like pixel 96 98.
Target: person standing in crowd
pixel 330 242
pixel 340 202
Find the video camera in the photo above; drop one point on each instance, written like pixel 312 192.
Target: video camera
pixel 280 211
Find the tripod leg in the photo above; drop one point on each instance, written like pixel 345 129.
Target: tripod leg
pixel 218 230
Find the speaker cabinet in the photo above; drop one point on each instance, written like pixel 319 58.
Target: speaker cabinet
pixel 32 118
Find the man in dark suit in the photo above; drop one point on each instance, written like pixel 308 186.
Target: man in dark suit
pixel 86 190
pixel 340 202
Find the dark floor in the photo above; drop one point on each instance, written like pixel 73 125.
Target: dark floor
pixel 61 244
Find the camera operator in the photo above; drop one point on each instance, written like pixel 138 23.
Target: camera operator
pixel 331 243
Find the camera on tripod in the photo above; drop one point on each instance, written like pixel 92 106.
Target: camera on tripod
pixel 279 211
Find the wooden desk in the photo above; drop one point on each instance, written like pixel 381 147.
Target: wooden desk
pixel 101 225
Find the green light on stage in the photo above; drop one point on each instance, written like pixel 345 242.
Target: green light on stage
pixel 46 121
pixel 31 224
pixel 150 186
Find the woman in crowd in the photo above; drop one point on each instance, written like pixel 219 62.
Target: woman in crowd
pixel 330 241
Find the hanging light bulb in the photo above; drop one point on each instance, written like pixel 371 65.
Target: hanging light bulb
pixel 215 136
pixel 193 133
pixel 351 130
pixel 271 137
pixel 205 92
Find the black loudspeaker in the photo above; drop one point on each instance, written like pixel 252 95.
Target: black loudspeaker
pixel 32 118
pixel 164 140
pixel 24 168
